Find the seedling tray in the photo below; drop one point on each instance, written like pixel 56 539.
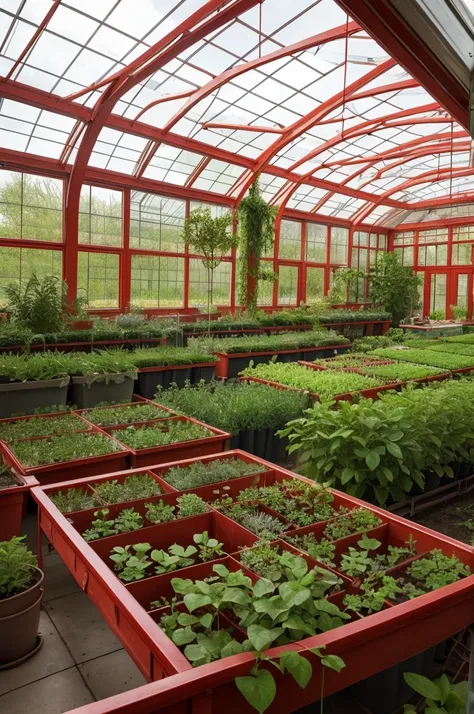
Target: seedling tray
pixel 216 442
pixel 68 470
pixel 367 646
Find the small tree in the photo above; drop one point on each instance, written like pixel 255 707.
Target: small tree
pixel 211 238
pixel 256 235
pixel 395 286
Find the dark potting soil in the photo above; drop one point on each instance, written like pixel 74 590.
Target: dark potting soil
pixel 449 518
pixel 7 479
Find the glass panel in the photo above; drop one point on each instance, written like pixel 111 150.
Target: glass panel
pixel 30 207
pixel 314 284
pixel 403 238
pixel 436 235
pixel 17 265
pixel 373 240
pixel 363 259
pixel 463 280
pixel 290 240
pixel 462 254
pixel 100 216
pixel 215 212
pixel 157 281
pixel 382 242
pixel 463 233
pixel 98 276
pixel 265 293
pixel 198 284
pixel 156 222
pixel 316 242
pixel 287 285
pixel 438 292
pixel 339 243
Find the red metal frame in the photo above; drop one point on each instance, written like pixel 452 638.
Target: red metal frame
pixel 367 646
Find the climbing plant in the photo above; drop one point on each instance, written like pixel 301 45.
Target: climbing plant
pixel 256 230
pixel 210 237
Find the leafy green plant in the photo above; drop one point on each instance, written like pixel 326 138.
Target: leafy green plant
pixel 159 512
pixel 176 557
pixel 395 286
pixel 327 384
pixel 352 521
pixel 66 447
pixel 189 504
pixel 133 488
pixel 236 406
pixel 130 414
pixel 131 566
pixel 40 426
pixel 160 434
pixel 16 567
pixel 200 474
pixel 38 305
pixel 74 499
pixel 168 356
pixel 437 570
pixel 421 356
pixel 401 372
pixel 270 343
pixel 262 524
pixel 256 223
pixel 208 548
pixel 459 312
pixel 263 559
pixel 439 695
pixel 372 599
pixel 323 551
pixel 101 527
pixel 128 520
pixel 437 315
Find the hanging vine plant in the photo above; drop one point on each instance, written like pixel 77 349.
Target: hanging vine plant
pixel 256 229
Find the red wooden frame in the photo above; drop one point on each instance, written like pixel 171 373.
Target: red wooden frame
pixel 367 646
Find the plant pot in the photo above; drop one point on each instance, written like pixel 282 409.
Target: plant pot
pixel 83 324
pixel 86 392
pixel 246 441
pixel 19 620
pixel 204 372
pixel 27 397
pixel 180 375
pixel 12 503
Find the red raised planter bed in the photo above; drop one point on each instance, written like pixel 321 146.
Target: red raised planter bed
pixel 369 325
pixel 216 442
pixel 13 501
pixel 371 392
pixel 367 646
pixel 68 470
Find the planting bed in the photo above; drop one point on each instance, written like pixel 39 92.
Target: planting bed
pixel 13 493
pixel 455 363
pixel 343 593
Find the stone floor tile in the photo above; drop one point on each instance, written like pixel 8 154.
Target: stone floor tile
pixel 58 579
pixel 111 674
pixel 82 627
pixel 56 694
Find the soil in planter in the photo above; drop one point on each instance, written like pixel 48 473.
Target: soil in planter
pixel 450 518
pixel 7 479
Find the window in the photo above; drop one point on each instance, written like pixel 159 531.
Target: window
pixel 339 245
pixel 406 254
pixel 287 285
pixel 157 281
pixel 290 240
pixel 265 288
pixel 100 217
pixel 17 265
pixel 436 235
pixel 156 222
pixel 462 254
pixel 463 233
pixel 462 292
pixel 316 242
pixel 382 242
pixel 314 284
pixel 404 238
pixel 198 284
pixel 30 207
pixel 438 292
pixel 98 276
pixel 360 238
pixel 433 255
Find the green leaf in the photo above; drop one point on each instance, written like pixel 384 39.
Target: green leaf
pixel 423 685
pixel 299 667
pixel 206 620
pixel 369 543
pixel 333 662
pixel 263 587
pixel 195 600
pixel 181 585
pixel 221 570
pixel 184 619
pixel 293 593
pixel 235 595
pixel 231 648
pixel 394 449
pixel 183 637
pixel 346 475
pixel 195 653
pixel 261 638
pixel 259 690
pixel 372 460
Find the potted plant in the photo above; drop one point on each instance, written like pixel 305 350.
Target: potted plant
pixel 32 382
pixel 105 376
pixel 21 593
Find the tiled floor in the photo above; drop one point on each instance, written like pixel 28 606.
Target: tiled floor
pixel 81 660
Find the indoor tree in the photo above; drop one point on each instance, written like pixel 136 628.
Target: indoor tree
pixel 256 230
pixel 395 286
pixel 210 237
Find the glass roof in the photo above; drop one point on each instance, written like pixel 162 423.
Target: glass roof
pixel 332 124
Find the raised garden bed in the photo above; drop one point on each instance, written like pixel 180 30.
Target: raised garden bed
pixel 160 440
pixel 63 457
pixel 150 378
pixel 27 397
pixel 124 414
pixel 367 645
pixel 13 493
pixel 455 363
pixel 88 391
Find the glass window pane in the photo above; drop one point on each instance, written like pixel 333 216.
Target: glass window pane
pixel 316 242
pixel 314 284
pixel 156 222
pixel 30 207
pixel 100 217
pixel 98 278
pixel 462 254
pixel 462 298
pixel 287 285
pixel 17 265
pixel 463 233
pixel 290 240
pixel 438 292
pixel 157 281
pixel 339 244
pixel 199 285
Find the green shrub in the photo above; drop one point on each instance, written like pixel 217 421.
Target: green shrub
pixel 16 567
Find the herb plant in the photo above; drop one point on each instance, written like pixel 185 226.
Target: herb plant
pixel 208 548
pixel 352 521
pixel 132 413
pixel 160 434
pixel 133 488
pixel 16 567
pixel 74 499
pixel 101 527
pixel 67 447
pixel 40 426
pixel 323 551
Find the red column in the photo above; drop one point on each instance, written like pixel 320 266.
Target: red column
pixel 125 287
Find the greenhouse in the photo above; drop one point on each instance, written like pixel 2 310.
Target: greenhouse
pixel 236 357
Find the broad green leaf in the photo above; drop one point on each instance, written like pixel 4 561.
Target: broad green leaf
pixel 372 460
pixel 184 619
pixel 235 595
pixel 423 685
pixel 263 587
pixel 346 475
pixel 394 449
pixel 206 620
pixel 221 570
pixel 299 667
pixel 181 585
pixel 231 648
pixel 333 662
pixel 196 653
pixel 259 690
pixel 261 638
pixel 183 637
pixel 193 601
pixel 293 593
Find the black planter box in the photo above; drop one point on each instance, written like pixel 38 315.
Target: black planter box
pixel 116 388
pixel 27 397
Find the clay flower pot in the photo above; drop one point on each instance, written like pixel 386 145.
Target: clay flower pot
pixel 19 620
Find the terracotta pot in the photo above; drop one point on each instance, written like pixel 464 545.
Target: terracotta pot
pixel 19 620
